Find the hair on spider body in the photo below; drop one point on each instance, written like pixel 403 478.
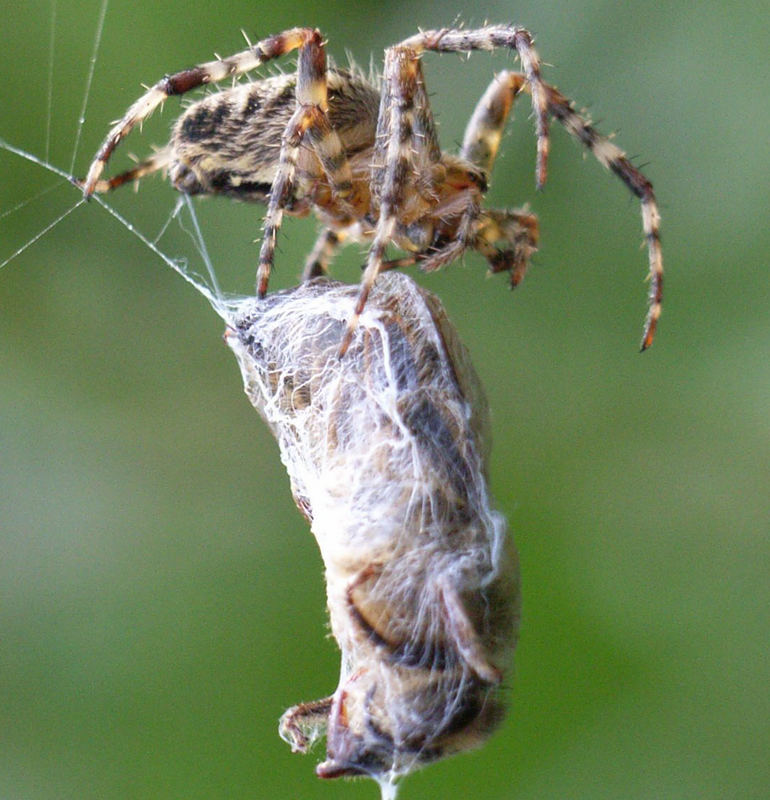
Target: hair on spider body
pixel 366 159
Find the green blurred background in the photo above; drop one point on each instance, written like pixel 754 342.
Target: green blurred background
pixel 161 601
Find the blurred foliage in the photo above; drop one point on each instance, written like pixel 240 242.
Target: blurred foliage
pixel 161 601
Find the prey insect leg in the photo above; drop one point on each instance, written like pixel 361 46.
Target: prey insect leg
pixel 465 637
pixel 303 723
pixel 413 653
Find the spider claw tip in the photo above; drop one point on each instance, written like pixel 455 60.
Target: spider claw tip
pixel 647 340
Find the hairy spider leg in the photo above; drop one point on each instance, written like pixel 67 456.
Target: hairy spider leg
pixel 480 144
pixel 485 127
pixel 615 160
pixel 403 132
pixel 326 246
pixel 490 38
pixel 482 139
pixel 395 152
pixel 406 151
pixel 310 123
pixel 427 139
pixel 157 161
pixel 184 81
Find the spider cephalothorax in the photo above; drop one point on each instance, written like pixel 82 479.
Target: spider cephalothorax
pixel 367 160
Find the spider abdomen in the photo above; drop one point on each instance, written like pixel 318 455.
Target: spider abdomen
pixel 229 142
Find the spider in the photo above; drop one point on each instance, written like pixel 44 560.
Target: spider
pixel 367 160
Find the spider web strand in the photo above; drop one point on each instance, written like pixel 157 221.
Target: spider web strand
pixel 91 69
pixel 49 103
pixel 42 233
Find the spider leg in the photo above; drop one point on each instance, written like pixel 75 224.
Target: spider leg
pixel 616 161
pixel 187 79
pixel 399 263
pixel 317 263
pixel 482 137
pixel 480 229
pixel 308 123
pixel 326 246
pixel 157 161
pixel 489 38
pixel 485 127
pixel 406 145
